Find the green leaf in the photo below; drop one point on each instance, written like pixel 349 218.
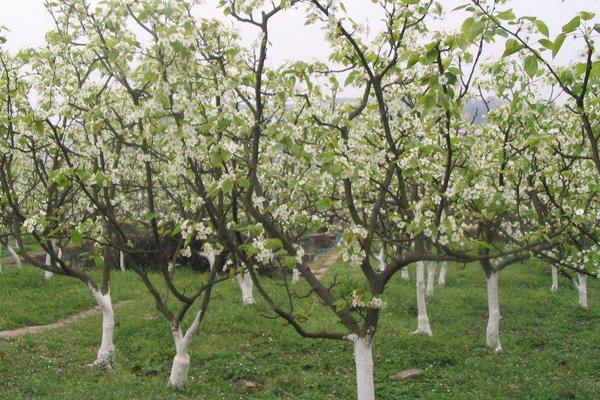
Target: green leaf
pixel 597 27
pixel 560 39
pixel 572 25
pixel 542 27
pixel 227 186
pixel 507 15
pixel 324 204
pixel 586 15
pixel 273 244
pixel 466 26
pixel 76 237
pixel 547 43
pixel 149 216
pixel 531 65
pixel 512 47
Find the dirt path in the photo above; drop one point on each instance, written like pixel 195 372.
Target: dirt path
pixel 325 265
pixel 55 325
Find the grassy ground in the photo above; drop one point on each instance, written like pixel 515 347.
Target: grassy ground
pixel 552 348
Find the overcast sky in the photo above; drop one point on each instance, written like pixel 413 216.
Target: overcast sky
pixel 291 40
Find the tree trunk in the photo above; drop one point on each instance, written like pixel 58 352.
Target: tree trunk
pixel 181 362
pixel 363 359
pixel 492 333
pixel 581 287
pixel 14 256
pixel 404 275
pixel 245 281
pixel 430 278
pixel 122 261
pixel 106 353
pixel 422 318
pixel 554 287
pixel 443 273
pixel 295 276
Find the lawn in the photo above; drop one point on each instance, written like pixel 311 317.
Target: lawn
pixel 551 347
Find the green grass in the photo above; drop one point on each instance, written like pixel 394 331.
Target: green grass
pixel 551 348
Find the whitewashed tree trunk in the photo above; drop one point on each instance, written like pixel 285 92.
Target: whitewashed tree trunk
pixel 295 276
pixel 422 318
pixel 492 334
pixel 554 287
pixel 181 362
pixel 404 275
pixel 443 273
pixel 247 286
pixel 48 274
pixel 14 256
pixel 106 352
pixel 210 257
pixel 581 287
pixel 122 261
pixel 381 258
pixel 430 278
pixel 363 359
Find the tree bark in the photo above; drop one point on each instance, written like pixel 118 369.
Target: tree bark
pixel 422 318
pixel 492 334
pixel 363 359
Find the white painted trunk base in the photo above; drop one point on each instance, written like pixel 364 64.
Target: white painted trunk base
pixel 247 286
pixel 422 318
pixel 48 274
pixel 122 261
pixel 554 287
pixel 381 259
pixel 363 359
pixel 443 274
pixel 14 256
pixel 492 333
pixel 581 287
pixel 295 276
pixel 106 352
pixel 430 278
pixel 404 275
pixel 181 362
pixel 210 257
